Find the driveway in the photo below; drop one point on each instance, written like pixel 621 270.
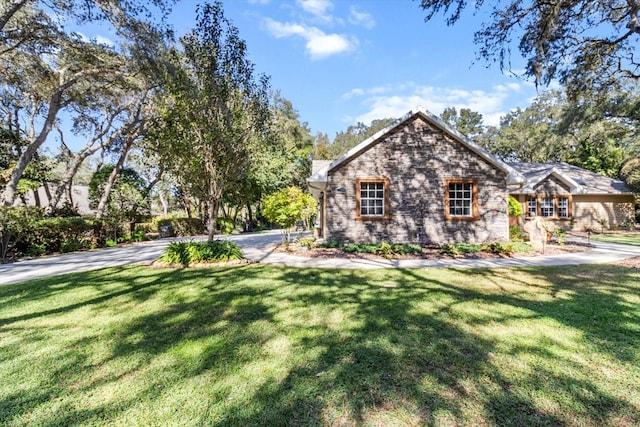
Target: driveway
pixel 259 248
pixel 254 246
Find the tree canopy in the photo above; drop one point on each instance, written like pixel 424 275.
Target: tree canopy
pixel 586 44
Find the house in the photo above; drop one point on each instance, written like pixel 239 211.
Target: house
pixel 41 196
pixel 573 198
pixel 415 181
pixel 419 181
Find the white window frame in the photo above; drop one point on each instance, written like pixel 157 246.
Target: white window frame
pixel 547 205
pixel 372 199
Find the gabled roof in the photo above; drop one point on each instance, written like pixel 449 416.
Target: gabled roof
pixel 319 177
pixel 578 180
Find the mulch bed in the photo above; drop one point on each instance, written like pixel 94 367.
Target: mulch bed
pixel 429 253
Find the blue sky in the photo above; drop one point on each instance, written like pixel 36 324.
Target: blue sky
pixel 342 61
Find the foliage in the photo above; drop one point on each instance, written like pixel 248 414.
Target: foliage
pixel 345 140
pixel 214 110
pixel 514 207
pixel 61 234
pixel 16 225
pixel 630 173
pixel 499 248
pixel 180 226
pixel 283 208
pixel 306 241
pixel 586 44
pixel 591 134
pixel 385 249
pixel 467 122
pixel 186 253
pixel 330 244
pixel 453 249
pixel 225 225
pixel 516 234
pixel 560 235
pixel 263 345
pixel 128 199
pixel 47 70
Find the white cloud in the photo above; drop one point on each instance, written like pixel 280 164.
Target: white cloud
pixel 364 19
pixel 315 7
pixel 97 39
pixel 392 101
pixel 319 44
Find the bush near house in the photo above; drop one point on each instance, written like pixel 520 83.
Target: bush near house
pixel 180 227
pixel 186 253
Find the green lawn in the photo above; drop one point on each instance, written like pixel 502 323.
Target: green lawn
pixel 624 238
pixel 261 345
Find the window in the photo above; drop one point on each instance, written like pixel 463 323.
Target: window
pixel 558 207
pixel 372 199
pixel 563 207
pixel 547 207
pixel 461 199
pixel 532 206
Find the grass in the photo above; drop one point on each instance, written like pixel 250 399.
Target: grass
pixel 265 345
pixel 624 238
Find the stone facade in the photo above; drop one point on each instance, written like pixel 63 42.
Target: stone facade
pixel 417 158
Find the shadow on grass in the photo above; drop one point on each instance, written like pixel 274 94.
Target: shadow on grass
pixel 258 345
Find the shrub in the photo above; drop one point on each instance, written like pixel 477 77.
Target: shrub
pixel 59 232
pixel 449 249
pixel 500 248
pixel 186 253
pixel 521 247
pixel 16 226
pixel 181 227
pixel 366 248
pixel 514 207
pixel 516 234
pixel 386 250
pixel 147 227
pixel 138 236
pixel 560 235
pixel 73 245
pixel 225 225
pixel 306 241
pixel 330 244
pixel 109 243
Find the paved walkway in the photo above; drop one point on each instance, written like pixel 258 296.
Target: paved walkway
pixel 260 248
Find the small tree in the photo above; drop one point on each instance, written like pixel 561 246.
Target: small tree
pixel 514 208
pixel 287 206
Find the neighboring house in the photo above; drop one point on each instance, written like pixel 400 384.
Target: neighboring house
pixel 40 197
pixel 573 198
pixel 419 181
pixel 415 181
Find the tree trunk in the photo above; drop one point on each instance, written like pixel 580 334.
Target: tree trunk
pixel 250 215
pixel 215 197
pixel 27 155
pixel 106 192
pixel 164 203
pixel 67 180
pixel 36 197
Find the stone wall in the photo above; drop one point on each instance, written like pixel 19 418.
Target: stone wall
pixel 417 158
